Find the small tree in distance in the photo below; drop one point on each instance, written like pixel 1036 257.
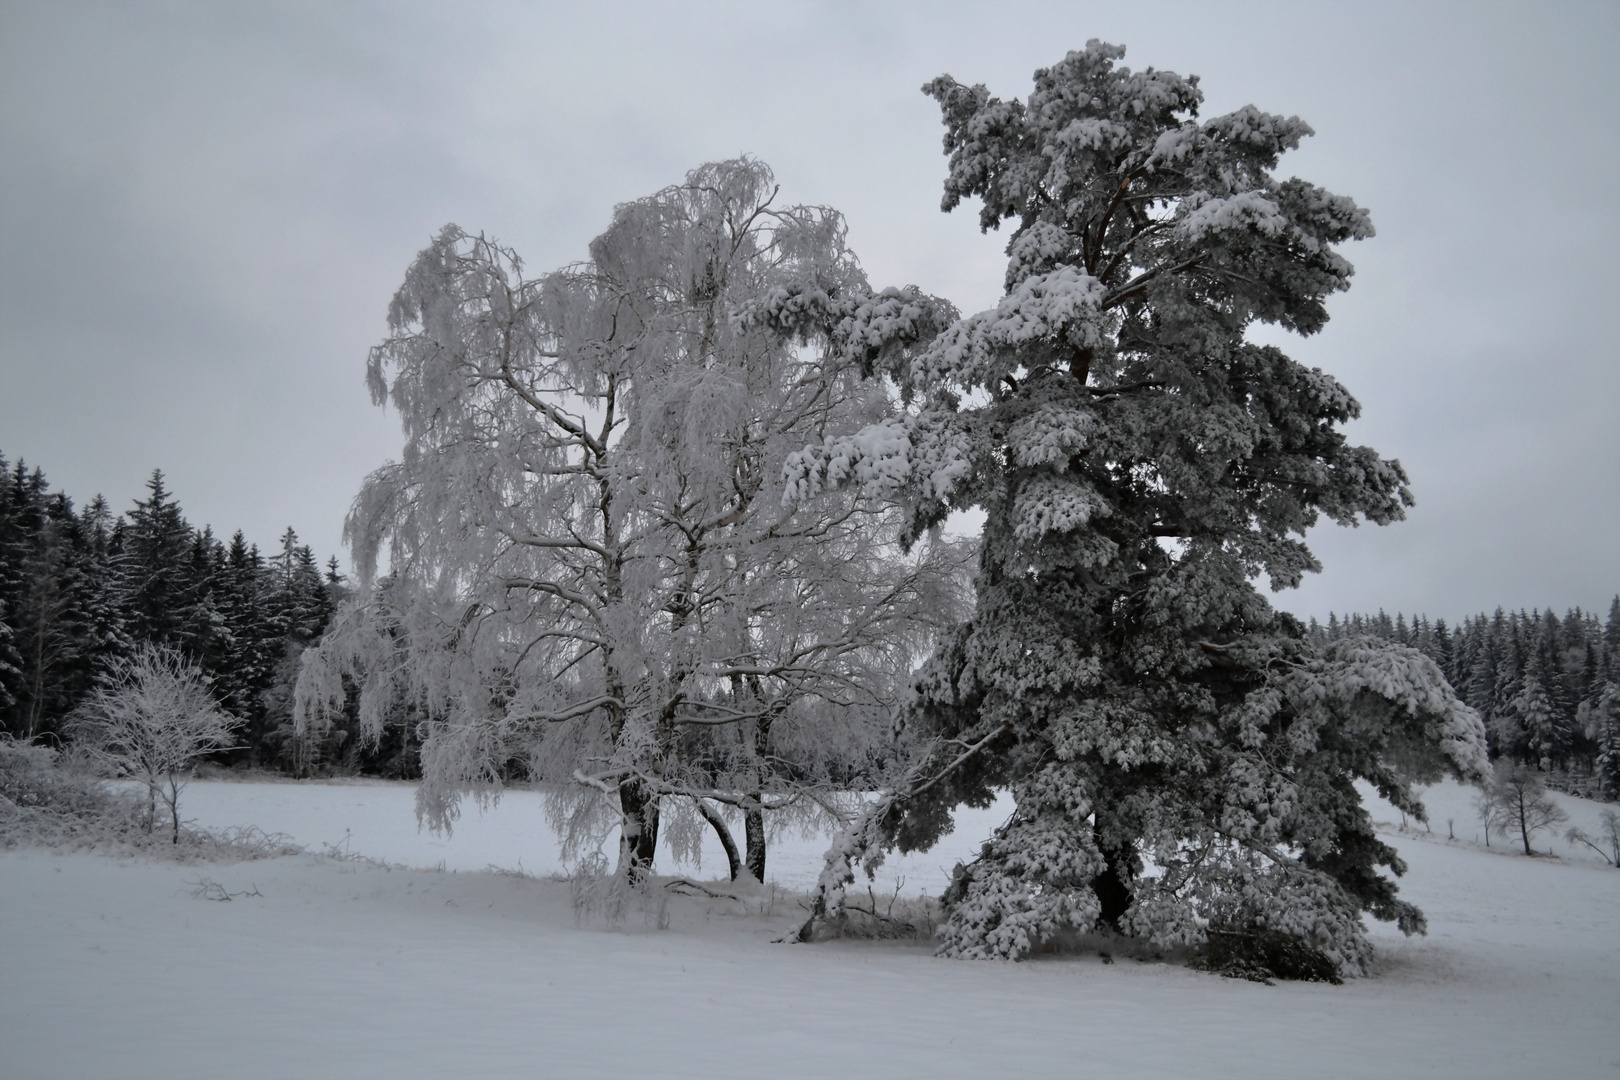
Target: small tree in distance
pixel 1522 802
pixel 152 720
pixel 1489 808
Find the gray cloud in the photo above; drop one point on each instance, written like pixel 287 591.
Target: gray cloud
pixel 205 208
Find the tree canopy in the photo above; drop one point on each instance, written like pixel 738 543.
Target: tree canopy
pixel 592 569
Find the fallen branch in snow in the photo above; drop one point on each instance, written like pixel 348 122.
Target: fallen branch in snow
pixel 683 883
pixel 205 888
pixel 507 871
pixel 1611 836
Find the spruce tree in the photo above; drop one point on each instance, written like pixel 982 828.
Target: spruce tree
pixel 255 641
pixel 109 638
pixel 1445 652
pixel 1611 635
pixel 153 566
pixel 1546 735
pixel 16 541
pixel 1607 725
pixel 1504 719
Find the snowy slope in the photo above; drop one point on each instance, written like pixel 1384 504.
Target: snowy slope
pixel 346 969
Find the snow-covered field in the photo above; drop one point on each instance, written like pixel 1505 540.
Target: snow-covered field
pixel 323 966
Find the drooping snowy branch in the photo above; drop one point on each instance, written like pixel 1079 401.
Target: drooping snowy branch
pixel 593 560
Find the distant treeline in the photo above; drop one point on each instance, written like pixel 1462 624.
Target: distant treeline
pixel 1548 688
pixel 81 588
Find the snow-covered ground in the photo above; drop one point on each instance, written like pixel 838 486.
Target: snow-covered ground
pixel 324 967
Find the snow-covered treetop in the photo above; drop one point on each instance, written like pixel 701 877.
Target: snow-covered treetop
pixel 1145 242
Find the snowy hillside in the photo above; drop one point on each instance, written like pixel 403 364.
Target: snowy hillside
pixel 321 966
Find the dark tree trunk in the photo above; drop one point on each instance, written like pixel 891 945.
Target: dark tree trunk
pixel 754 837
pixel 754 815
pixel 638 842
pixel 1113 885
pixel 171 796
pixel 712 816
pixel 1080 364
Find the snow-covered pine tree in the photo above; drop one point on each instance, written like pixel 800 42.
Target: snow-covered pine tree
pixel 1182 759
pixel 1605 716
pixel 154 580
pixel 109 638
pixel 591 561
pixel 1444 653
pixel 54 620
pixel 1547 733
pixel 1611 637
pixel 253 643
pixel 207 630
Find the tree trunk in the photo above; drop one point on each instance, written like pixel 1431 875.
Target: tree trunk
pixel 712 816
pixel 638 837
pixel 754 837
pixel 172 797
pixel 754 815
pixel 1080 364
pixel 1112 886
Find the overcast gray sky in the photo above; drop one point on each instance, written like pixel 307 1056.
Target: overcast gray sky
pixel 204 209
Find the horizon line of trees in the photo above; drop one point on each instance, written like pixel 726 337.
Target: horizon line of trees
pixel 83 589
pixel 1548 688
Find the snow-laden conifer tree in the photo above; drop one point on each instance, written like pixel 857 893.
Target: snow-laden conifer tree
pixel 592 569
pixel 1182 758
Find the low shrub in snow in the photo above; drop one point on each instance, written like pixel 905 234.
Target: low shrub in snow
pixel 598 893
pixel 49 799
pixel 1261 955
pixel 47 802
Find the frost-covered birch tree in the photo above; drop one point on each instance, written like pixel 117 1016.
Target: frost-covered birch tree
pixel 591 570
pixel 1181 757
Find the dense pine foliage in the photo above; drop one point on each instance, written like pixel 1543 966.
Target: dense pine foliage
pixel 82 589
pixel 1184 760
pixel 1547 688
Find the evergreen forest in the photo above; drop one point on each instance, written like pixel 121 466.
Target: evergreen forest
pixel 82 587
pixel 1547 688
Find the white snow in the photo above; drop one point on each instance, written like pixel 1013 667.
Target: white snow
pixel 112 968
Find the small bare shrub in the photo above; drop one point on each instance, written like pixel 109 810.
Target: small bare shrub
pixel 46 802
pixel 1516 800
pixel 891 917
pixel 47 799
pixel 1260 955
pixel 595 892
